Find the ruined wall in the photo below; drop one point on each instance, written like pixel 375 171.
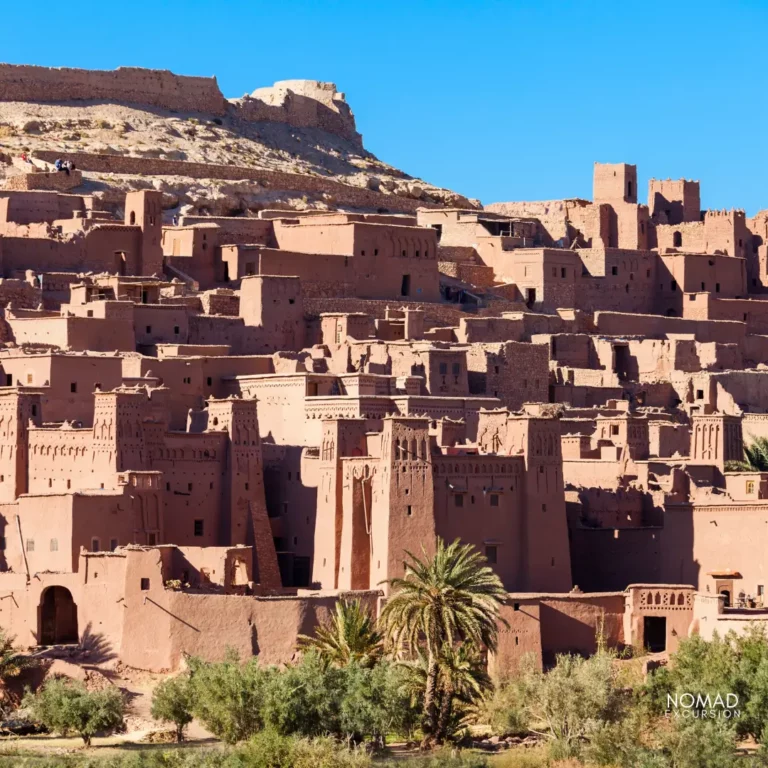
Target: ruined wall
pixel 303 103
pixel 134 85
pixel 340 194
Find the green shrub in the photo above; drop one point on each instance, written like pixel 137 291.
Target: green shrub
pixel 572 700
pixel 228 697
pixel 66 707
pixel 503 709
pixel 172 703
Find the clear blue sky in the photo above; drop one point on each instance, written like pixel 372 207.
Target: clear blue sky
pixel 497 100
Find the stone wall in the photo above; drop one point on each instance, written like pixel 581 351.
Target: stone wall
pixel 132 85
pixel 337 193
pixel 53 180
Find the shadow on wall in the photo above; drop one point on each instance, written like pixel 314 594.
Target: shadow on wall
pixel 95 646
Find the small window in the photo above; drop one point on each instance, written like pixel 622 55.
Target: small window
pixel 8 379
pixel 673 285
pixel 145 585
pixel 750 486
pixel 717 286
pixel 54 545
pixel 73 387
pixel 614 270
pixel 176 329
pixel 34 410
pixel 699 394
pixel 562 272
pixel 703 286
pixel 152 539
pixel 167 486
pixel 149 329
pixel 30 378
pixel 760 590
pixel 199 527
pixel 458 500
pixel 494 499
pixel 112 545
pixel 516 607
pixel 456 369
pixel 30 545
pixel 210 380
pixel 491 554
pixel 285 507
pixel 189 487
pixel 409 511
pixel 95 545
pixel 614 429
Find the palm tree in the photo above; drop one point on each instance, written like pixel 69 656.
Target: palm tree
pixel 462 679
pixel 755 457
pixel 12 664
pixel 350 635
pixel 450 598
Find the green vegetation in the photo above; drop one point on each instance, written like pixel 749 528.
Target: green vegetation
pixel 442 602
pixel 350 636
pixel 755 458
pixel 172 703
pixel 67 707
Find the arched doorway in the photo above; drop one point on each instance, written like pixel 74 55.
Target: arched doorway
pixel 57 617
pixel 727 595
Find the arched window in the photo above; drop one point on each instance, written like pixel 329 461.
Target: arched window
pixel 677 240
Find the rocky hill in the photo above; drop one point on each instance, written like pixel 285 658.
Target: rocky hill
pixel 294 145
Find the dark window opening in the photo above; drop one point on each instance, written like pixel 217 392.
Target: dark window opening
pixel 73 387
pixel 405 285
pixel 144 585
pixel 491 554
pixel 199 527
